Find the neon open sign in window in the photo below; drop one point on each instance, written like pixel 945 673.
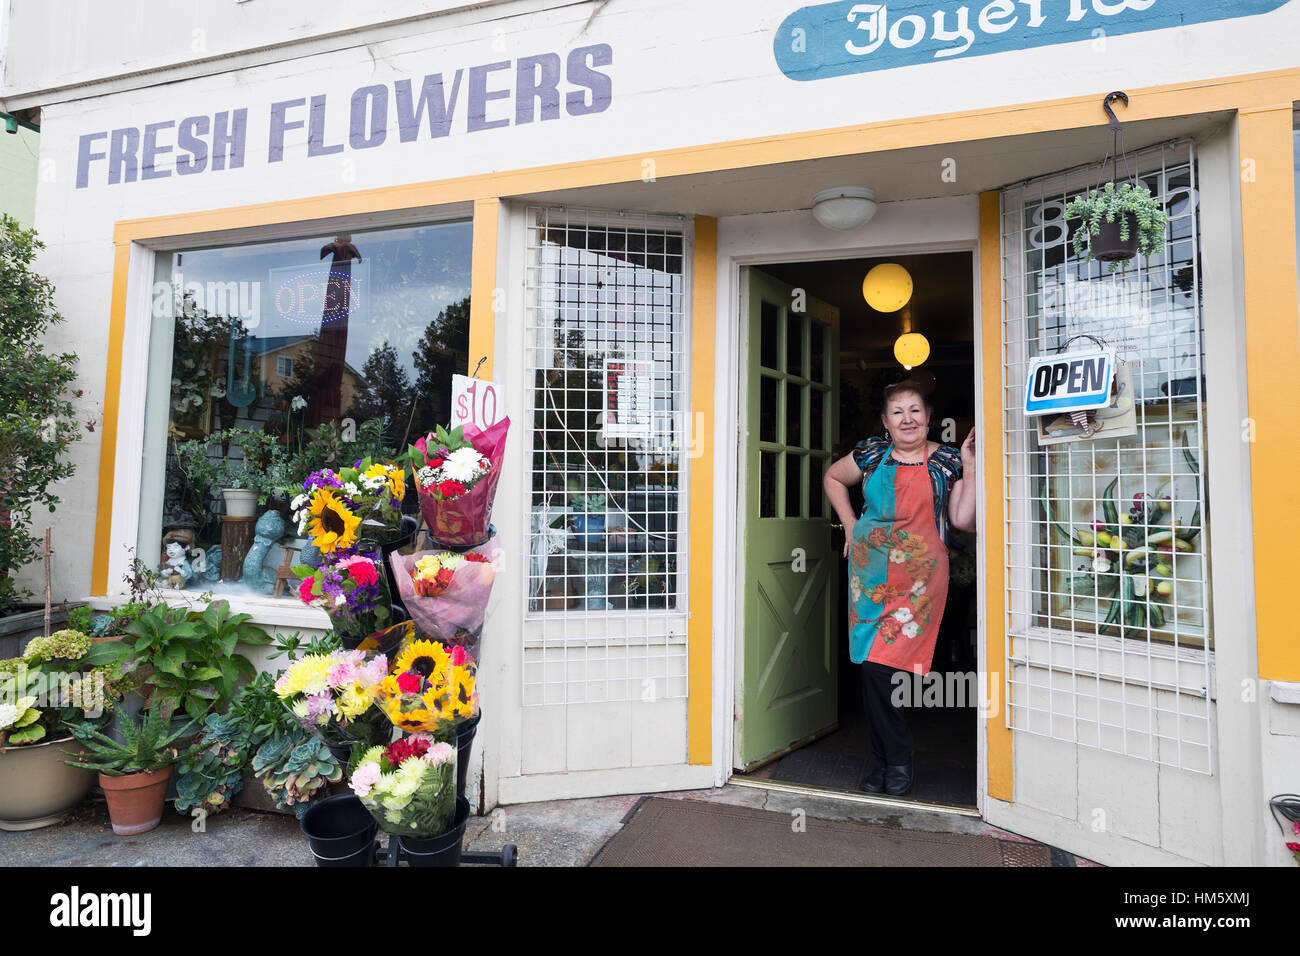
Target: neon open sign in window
pixel 318 296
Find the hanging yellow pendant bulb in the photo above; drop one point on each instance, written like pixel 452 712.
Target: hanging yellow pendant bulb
pixel 887 287
pixel 911 349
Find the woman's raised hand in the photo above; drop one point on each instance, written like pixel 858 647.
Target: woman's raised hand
pixel 968 450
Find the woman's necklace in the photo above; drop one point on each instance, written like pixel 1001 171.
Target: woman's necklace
pixel 920 461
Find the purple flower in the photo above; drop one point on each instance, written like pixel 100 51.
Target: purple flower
pixel 321 479
pixel 320 707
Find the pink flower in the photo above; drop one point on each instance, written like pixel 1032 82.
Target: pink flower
pixel 373 671
pixel 365 777
pixel 304 589
pixel 439 754
pixel 458 656
pixel 342 673
pixel 361 570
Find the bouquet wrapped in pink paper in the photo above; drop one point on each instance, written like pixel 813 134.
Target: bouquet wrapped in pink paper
pixel 446 594
pixel 456 473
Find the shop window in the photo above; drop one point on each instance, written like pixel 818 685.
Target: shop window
pixel 270 360
pixel 1108 574
pixel 608 446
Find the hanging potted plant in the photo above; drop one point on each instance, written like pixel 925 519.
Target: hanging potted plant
pixel 135 771
pixel 1116 221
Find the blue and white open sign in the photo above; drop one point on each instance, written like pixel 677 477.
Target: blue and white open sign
pixel 1073 382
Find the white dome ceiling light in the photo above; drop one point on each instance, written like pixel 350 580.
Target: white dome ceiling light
pixel 844 207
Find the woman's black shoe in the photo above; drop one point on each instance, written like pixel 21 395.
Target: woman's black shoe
pixel 873 781
pixel 899 779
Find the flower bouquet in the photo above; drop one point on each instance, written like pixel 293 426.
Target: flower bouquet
pixel 445 594
pixel 456 473
pixel 409 787
pixel 333 695
pixel 338 509
pixel 429 687
pixel 353 591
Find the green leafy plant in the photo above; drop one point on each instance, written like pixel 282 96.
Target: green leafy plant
pixel 44 692
pixel 38 423
pixel 1108 204
pixel 145 746
pixel 196 667
pixel 210 778
pixel 295 767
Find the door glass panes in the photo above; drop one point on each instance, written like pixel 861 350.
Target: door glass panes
pixel 817 418
pixel 767 461
pixel 816 496
pixel 794 413
pixel 817 334
pixel 794 326
pixel 770 325
pixel 767 391
pixel 793 484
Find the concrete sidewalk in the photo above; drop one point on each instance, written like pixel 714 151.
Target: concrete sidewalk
pixel 553 833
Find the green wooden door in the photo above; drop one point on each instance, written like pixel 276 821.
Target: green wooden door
pixel 790 585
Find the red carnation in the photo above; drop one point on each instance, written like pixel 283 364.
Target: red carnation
pixel 436 463
pixel 405 749
pixel 450 489
pixel 408 683
pixel 443 577
pixel 478 558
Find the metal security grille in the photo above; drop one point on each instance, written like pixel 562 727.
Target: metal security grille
pixel 1109 642
pixel 607 348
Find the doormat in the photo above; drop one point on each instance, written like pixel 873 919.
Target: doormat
pixel 665 832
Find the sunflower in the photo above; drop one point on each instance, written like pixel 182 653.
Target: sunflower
pixel 426 658
pixel 416 720
pixel 332 524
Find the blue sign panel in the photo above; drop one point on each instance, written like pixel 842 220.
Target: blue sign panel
pixel 838 39
pixel 1073 382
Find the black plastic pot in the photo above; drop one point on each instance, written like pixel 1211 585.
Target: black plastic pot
pixel 410 524
pixel 464 744
pixel 1107 245
pixel 441 850
pixel 339 829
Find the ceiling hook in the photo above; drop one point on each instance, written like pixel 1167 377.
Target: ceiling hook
pixel 1117 96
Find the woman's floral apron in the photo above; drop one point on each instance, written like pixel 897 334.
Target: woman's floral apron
pixel 898 570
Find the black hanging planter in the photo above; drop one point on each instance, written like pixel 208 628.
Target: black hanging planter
pixel 1107 245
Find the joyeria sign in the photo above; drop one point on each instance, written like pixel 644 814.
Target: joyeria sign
pixel 838 39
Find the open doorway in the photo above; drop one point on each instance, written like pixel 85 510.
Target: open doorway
pixel 801 717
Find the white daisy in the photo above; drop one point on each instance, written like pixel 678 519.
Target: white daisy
pixel 462 465
pixel 903 614
pixel 897 555
pixel 918 588
pixel 911 629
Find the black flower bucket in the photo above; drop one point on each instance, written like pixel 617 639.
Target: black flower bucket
pixel 341 832
pixel 441 850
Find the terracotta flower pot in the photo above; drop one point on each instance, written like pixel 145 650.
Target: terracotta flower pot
pixel 135 801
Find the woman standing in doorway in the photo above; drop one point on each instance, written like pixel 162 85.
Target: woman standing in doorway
pixel 898 562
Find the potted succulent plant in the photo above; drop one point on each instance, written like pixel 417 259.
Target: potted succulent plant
pixel 1114 224
pixel 133 772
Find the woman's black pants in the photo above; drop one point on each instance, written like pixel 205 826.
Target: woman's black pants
pixel 891 738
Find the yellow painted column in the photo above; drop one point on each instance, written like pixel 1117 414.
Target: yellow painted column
pixel 483 286
pixel 108 427
pixel 993 533
pixel 702 445
pixel 1273 376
